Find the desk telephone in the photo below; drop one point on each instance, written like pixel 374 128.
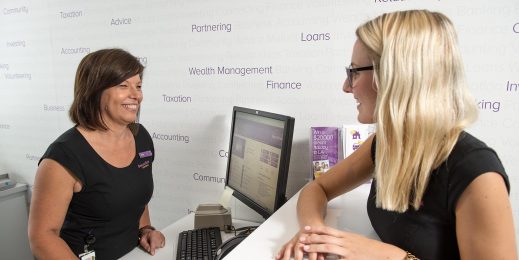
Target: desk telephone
pixel 216 215
pixel 213 215
pixel 6 182
pixel 205 241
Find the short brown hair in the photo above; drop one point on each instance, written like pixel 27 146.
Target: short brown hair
pixel 96 72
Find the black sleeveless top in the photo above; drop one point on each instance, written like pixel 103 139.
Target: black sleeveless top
pixel 430 232
pixel 111 201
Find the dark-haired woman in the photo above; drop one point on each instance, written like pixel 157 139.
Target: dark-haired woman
pixel 94 182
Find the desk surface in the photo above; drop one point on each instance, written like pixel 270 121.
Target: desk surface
pixel 347 212
pixel 169 251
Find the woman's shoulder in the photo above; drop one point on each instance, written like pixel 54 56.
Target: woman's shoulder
pixel 469 139
pixel 139 130
pixel 69 137
pixel 469 159
pixel 142 136
pixel 472 157
pixel 69 142
pixel 468 143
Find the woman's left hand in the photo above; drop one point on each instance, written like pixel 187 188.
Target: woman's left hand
pixel 346 245
pixel 152 240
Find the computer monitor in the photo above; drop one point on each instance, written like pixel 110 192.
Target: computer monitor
pixel 259 158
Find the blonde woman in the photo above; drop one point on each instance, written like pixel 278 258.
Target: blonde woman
pixel 438 192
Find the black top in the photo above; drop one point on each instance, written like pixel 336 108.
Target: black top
pixel 430 232
pixel 111 200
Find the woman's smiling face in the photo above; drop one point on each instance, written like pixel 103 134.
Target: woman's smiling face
pixel 362 85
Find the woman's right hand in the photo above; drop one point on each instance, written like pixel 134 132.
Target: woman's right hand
pixel 294 248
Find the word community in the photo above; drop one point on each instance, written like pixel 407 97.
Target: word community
pixel 16 10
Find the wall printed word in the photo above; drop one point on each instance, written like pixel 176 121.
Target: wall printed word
pixel 70 14
pixel 17 10
pixel 176 99
pixel 15 44
pixel 121 21
pixel 16 76
pixel 283 85
pixel 78 50
pixel 205 178
pixel 53 107
pixel 242 71
pixel 307 37
pixel 142 60
pixel 171 137
pixel 32 157
pixel 494 106
pixel 223 153
pixel 221 27
pixel 510 86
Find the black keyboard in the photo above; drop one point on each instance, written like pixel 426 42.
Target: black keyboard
pixel 198 243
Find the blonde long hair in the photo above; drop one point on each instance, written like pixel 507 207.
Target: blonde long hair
pixel 423 102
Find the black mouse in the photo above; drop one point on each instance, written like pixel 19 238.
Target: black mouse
pixel 228 245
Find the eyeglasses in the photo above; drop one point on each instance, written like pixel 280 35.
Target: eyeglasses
pixel 350 72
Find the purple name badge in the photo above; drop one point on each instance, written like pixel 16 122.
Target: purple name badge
pixel 145 154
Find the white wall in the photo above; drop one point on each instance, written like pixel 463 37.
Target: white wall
pixel 42 42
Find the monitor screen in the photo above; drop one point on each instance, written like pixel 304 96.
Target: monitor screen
pixel 259 157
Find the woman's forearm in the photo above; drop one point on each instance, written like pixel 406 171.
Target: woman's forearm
pixel 50 246
pixel 311 205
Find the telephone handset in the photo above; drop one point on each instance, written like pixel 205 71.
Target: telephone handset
pixel 211 209
pixel 229 245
